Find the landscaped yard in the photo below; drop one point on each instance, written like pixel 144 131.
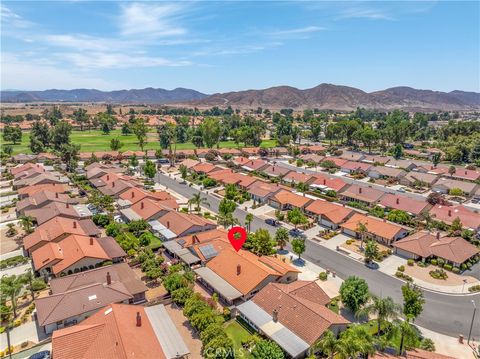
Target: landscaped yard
pixel 238 333
pixel 95 140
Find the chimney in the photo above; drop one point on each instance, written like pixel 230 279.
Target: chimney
pixel 449 212
pixel 108 177
pixel 398 200
pixel 324 181
pixel 139 319
pixel 142 205
pixel 359 189
pixel 438 235
pixel 56 194
pixel 168 224
pixel 466 172
pixel 91 241
pixel 195 239
pixel 109 278
pixel 113 184
pixel 67 205
pixel 239 269
pixel 275 315
pixel 133 194
pixel 74 224
pixel 273 169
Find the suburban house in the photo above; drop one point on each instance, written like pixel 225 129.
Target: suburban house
pixel 338 162
pixel 377 229
pixel 25 167
pixel 39 178
pixel 328 214
pixel 75 253
pixel 274 171
pixel 444 185
pixel 298 177
pixel 253 165
pixel 221 175
pixel 23 158
pixel 237 276
pixel 177 224
pixel 46 156
pixel 360 194
pixel 116 187
pixel 121 331
pixel 352 156
pixel 42 198
pixel 414 207
pixel 293 315
pixel 413 179
pixel 240 180
pixel 324 183
pixel 376 159
pixel 76 297
pixel 312 149
pixel 405 164
pixel 465 174
pixel 448 214
pixel 285 200
pixel 189 163
pixel 387 173
pixel 355 167
pixel 204 168
pixel 51 187
pixel 312 157
pixel 54 209
pixel 98 170
pixel 148 209
pixel 423 245
pixel 136 194
pixel 262 191
pixel 57 229
pixel 435 170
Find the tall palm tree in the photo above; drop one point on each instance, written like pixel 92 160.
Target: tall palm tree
pixel 28 277
pixel 362 229
pixel 11 287
pixel 357 340
pixel 197 200
pixel 282 237
pixel 248 220
pixel 26 222
pixel 329 344
pixel 383 308
pixel 407 332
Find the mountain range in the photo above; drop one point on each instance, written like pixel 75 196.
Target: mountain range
pixel 324 96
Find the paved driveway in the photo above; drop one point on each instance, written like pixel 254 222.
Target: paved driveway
pixel 474 272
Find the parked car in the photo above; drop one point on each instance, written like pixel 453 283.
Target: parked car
pixel 44 354
pixel 297 233
pixel 272 222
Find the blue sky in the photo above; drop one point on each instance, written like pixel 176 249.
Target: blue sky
pixel 227 46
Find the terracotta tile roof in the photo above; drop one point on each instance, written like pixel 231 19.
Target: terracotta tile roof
pixel 55 228
pixel 365 194
pixel 422 177
pixel 335 184
pixel 448 214
pixel 352 156
pixel 221 175
pixel 264 189
pixel 288 198
pixel 454 249
pixel 42 178
pixel 333 212
pixel 423 354
pixel 203 167
pixel 52 210
pixel 449 183
pixel 179 223
pixel 110 333
pixel 246 181
pixel 147 208
pixel 275 170
pixel 100 171
pixel 439 170
pixel 376 159
pixel 34 167
pixel 312 148
pixel 135 194
pixel 298 177
pixel 43 197
pixel 463 173
pixel 189 163
pixel 312 157
pixel 404 203
pixel 418 243
pixel 254 270
pixel 388 171
pixel 356 166
pixel 301 310
pixel 374 226
pixel 51 187
pixel 111 247
pixel 120 272
pixel 67 252
pixel 202 237
pixel 254 165
pixel 339 162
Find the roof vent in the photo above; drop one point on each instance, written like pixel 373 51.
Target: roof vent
pixel 275 315
pixel 109 278
pixel 142 205
pixel 398 200
pixel 56 194
pixel 74 224
pixel 239 269
pixel 449 212
pixel 438 235
pixel 91 241
pixel 139 319
pixel 359 189
pixel 168 224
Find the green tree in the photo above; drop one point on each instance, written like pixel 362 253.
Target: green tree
pixel 140 129
pixel 174 281
pixel 436 158
pixel 248 220
pixel 181 295
pixel 126 130
pixel 455 192
pixel 261 242
pixel 357 340
pixel 115 144
pixel 26 222
pixel 226 207
pixel 298 246
pixel 452 170
pixel 133 161
pixel 383 308
pixel 267 349
pixel 398 151
pixel 60 134
pixel 296 217
pixel 230 191
pixel 81 117
pixel 412 301
pixel 197 200
pixel 29 278
pixel 213 330
pixel 362 230
pixel 183 171
pixel 40 133
pixel 330 345
pixel 12 134
pixel 166 135
pixel 220 347
pixel 371 251
pixel 149 169
pixel 282 237
pixel 408 334
pixel 11 286
pixel 354 293
pixel 210 128
pixel 69 154
pixel 399 216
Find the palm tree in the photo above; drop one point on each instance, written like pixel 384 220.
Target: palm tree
pixel 26 222
pixel 11 287
pixel 28 278
pixel 282 237
pixel 329 344
pixel 248 220
pixel 362 229
pixel 383 308
pixel 407 333
pixel 357 340
pixel 197 200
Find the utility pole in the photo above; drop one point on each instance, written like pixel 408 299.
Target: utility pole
pixel 473 319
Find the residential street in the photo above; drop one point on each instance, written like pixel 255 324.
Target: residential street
pixel 446 314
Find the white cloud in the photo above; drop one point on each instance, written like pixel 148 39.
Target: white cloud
pixel 302 30
pixel 31 75
pixel 82 42
pixel 103 60
pixel 359 13
pixel 11 19
pixel 152 19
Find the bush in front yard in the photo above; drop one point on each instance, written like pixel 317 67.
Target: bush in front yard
pixel 447 266
pixel 440 262
pixel 323 276
pixel 434 262
pixel 456 270
pixel 401 268
pixel 410 262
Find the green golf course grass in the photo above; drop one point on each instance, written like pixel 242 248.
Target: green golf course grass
pixel 95 140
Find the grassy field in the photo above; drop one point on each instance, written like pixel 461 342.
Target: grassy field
pixel 95 140
pixel 238 333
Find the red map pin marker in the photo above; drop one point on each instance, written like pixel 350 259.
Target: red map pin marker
pixel 237 240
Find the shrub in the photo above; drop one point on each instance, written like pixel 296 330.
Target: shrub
pixel 209 182
pixel 227 313
pixel 434 262
pixel 401 268
pixel 456 270
pixel 440 261
pixel 439 274
pixel 350 241
pixel 38 284
pixel 184 209
pixel 410 262
pixel 101 220
pixel 323 276
pixel 447 266
pixel 474 288
pixel 2 329
pixel 403 276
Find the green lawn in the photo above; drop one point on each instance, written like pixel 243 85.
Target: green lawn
pixel 238 333
pixel 95 140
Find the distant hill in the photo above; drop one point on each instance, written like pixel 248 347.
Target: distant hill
pixel 147 95
pixel 334 97
pixel 324 96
